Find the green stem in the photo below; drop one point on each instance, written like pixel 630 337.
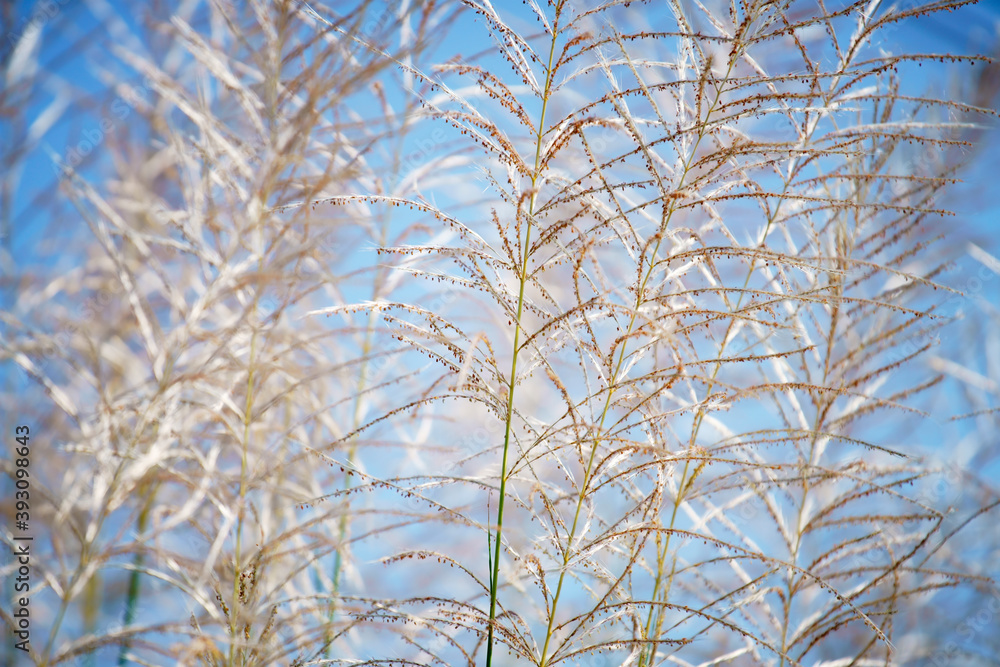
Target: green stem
pixel 85 549
pixel 366 349
pixel 342 525
pixel 234 611
pixel 132 597
pixel 522 280
pixel 647 657
pixel 639 301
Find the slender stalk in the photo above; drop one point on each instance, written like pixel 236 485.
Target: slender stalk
pixel 366 350
pixel 85 555
pixel 264 193
pixel 247 421
pixel 134 580
pixel 342 524
pixel 241 509
pixel 522 281
pixel 646 658
pixel 639 301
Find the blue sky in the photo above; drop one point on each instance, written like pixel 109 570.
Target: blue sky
pixel 74 65
pixel 70 112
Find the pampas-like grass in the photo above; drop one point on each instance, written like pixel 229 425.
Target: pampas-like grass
pixel 601 346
